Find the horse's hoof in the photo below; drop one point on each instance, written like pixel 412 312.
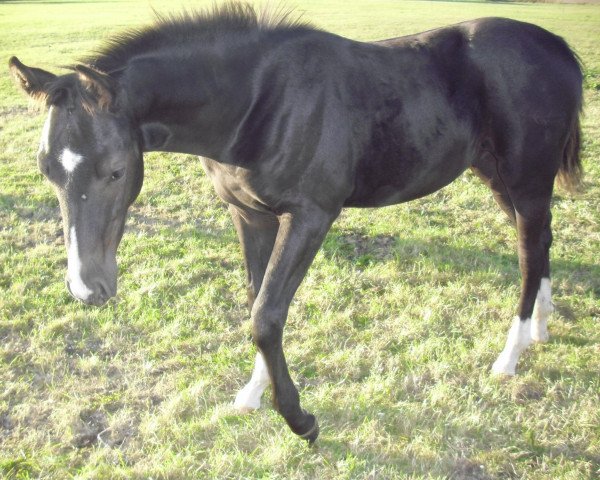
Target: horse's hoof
pixel 312 434
pixel 502 366
pixel 247 400
pixel 540 336
pixel 243 410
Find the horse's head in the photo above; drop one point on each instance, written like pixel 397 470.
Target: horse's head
pixel 92 156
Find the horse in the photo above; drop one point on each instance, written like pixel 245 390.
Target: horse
pixel 293 124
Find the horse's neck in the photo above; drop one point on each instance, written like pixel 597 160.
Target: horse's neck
pixel 194 102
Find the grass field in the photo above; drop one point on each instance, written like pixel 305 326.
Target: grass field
pixel 390 338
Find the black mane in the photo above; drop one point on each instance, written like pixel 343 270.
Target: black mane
pixel 177 30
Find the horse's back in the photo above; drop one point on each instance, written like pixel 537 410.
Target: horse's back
pixel 522 66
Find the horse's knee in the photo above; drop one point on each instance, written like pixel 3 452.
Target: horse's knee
pixel 267 327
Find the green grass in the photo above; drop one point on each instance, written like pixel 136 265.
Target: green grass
pixel 390 337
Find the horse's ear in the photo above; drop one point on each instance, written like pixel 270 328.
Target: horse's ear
pixel 102 86
pixel 33 81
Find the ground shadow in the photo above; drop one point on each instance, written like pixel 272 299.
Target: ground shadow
pixel 358 250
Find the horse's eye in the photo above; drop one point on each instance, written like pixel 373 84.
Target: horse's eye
pixel 117 174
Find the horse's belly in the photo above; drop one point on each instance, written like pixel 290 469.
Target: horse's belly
pixel 385 195
pixel 398 178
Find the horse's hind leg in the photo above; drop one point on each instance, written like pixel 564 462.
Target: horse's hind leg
pixel 533 219
pixel 543 306
pixel 531 215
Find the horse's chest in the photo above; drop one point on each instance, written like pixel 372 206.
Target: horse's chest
pixel 235 185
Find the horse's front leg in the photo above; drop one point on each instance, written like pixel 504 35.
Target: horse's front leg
pixel 257 232
pixel 298 239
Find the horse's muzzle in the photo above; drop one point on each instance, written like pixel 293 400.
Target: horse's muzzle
pixel 100 293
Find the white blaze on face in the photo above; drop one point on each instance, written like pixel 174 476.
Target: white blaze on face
pixel 45 141
pixel 69 160
pixel 76 284
pixel 248 398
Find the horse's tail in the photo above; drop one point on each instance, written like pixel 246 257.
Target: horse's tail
pixel 570 173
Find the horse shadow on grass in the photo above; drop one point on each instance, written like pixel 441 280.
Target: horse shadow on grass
pixel 358 250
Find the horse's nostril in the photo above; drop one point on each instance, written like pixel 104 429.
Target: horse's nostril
pixel 99 298
pixel 102 292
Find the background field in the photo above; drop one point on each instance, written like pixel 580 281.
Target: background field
pixel 390 338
